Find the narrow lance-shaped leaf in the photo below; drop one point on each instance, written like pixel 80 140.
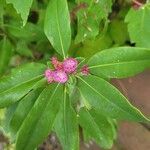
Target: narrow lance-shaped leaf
pixel 5 54
pixel 120 62
pixel 138 25
pixel 107 125
pixel 40 120
pixel 8 116
pixel 22 110
pixel 97 127
pixel 66 125
pixel 57 25
pixel 19 82
pixel 106 99
pixel 22 7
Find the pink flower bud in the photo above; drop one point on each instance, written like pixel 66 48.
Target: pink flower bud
pixel 85 70
pixel 136 4
pixel 70 65
pixel 57 64
pixel 60 76
pixel 49 75
pixel 54 60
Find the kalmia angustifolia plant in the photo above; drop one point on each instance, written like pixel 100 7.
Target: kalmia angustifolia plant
pixel 63 69
pixel 88 43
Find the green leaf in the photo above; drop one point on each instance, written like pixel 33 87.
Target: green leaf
pixel 120 62
pixel 8 116
pixel 89 17
pixel 22 110
pixel 106 99
pixel 19 82
pixel 91 47
pixel 97 126
pixel 116 28
pixel 5 54
pixel 138 25
pixel 66 125
pixel 40 83
pixel 29 33
pixel 107 125
pixel 57 25
pixel 22 7
pixel 1 12
pixel 40 119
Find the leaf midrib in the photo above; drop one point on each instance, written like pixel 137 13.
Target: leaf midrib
pixel 39 117
pixel 100 131
pixel 58 28
pixel 117 63
pixel 85 101
pixel 106 97
pixel 20 84
pixel 64 115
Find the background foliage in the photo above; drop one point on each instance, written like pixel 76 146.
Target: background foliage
pixel 111 37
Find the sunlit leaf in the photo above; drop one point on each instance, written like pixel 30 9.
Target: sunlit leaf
pixel 120 62
pixel 22 110
pixel 66 125
pixel 105 98
pixel 16 85
pixel 97 127
pixel 138 25
pixel 57 26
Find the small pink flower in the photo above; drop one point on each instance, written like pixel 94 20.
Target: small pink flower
pixel 85 70
pixel 60 76
pixel 49 75
pixel 70 65
pixel 136 4
pixel 54 60
pixel 57 64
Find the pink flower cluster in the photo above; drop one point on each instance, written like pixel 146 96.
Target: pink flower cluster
pixel 63 69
